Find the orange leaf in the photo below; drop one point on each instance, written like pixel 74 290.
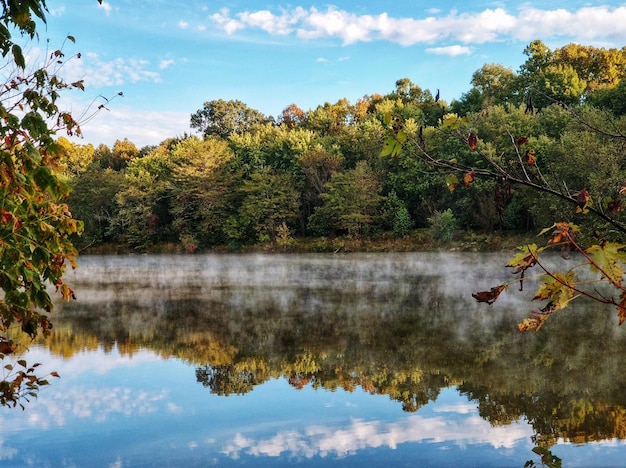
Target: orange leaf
pixel 469 178
pixel 472 141
pixel 530 156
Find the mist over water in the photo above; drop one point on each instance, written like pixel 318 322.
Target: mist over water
pixel 317 359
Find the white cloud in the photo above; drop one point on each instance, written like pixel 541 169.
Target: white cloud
pixel 97 72
pixel 163 64
pixel 183 24
pixel 142 127
pixel 106 6
pixel 452 51
pixel 325 441
pixel 58 11
pixel 490 25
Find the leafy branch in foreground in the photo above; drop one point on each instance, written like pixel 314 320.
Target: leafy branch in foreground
pixel 518 165
pixel 35 221
pixel 603 260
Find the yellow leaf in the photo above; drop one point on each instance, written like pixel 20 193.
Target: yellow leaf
pixel 558 288
pixel 530 324
pixel 609 258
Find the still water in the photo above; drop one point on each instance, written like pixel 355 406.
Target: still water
pixel 317 360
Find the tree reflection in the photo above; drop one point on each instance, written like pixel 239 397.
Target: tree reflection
pixel 407 337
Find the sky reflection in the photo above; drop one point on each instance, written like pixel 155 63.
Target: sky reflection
pixel 109 401
pixel 115 410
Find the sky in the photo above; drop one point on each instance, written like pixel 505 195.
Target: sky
pixel 169 58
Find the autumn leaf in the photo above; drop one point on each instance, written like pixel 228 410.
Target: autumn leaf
pixel 469 178
pixel 452 181
pixel 621 308
pixel 525 259
pixel 522 140
pixel 489 296
pixel 583 201
pixel 532 323
pixel 560 231
pixel 530 156
pixel 6 346
pixel 558 289
pixel 609 258
pixel 472 141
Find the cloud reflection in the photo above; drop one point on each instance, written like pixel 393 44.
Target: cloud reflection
pixel 71 398
pixel 326 441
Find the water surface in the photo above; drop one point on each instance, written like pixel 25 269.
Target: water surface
pixel 353 360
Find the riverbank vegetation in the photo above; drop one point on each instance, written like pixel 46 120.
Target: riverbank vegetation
pixel 317 177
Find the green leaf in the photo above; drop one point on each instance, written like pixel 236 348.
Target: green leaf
pixel 452 181
pixel 18 56
pixel 43 177
pixel 391 147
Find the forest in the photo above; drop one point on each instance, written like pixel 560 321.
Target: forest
pixel 324 173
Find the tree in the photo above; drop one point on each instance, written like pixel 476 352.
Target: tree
pixel 350 203
pixel 93 200
pixel 291 116
pixel 124 151
pixel 205 180
pixel 143 216
pixel 35 222
pixel 268 199
pixel 74 158
pixel 496 84
pixel 223 118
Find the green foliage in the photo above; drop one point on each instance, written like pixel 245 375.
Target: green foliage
pixel 443 225
pixel 351 201
pixel 205 179
pixel 267 201
pixel 93 200
pixel 395 215
pixel 223 118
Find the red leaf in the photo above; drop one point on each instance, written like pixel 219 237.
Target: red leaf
pixel 489 296
pixel 472 141
pixel 522 140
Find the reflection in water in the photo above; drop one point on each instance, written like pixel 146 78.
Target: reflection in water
pixel 400 325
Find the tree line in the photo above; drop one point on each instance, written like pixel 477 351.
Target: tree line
pixel 252 178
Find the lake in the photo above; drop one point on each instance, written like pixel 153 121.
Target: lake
pixel 317 360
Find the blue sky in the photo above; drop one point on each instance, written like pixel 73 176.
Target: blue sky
pixel 168 58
